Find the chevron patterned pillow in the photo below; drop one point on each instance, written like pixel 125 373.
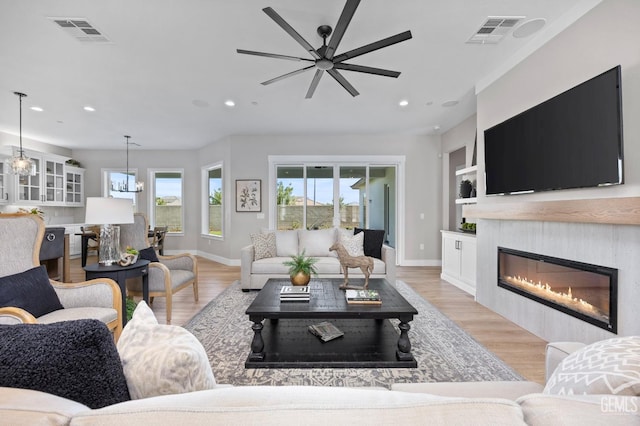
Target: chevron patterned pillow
pixel 609 367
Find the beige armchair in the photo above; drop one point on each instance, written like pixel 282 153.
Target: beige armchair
pixel 166 277
pixel 20 240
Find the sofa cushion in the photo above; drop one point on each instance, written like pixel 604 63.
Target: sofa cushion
pixel 161 359
pixel 353 243
pixel 30 407
pixel 264 245
pixel 30 290
pixel 373 240
pixel 275 266
pixel 607 367
pixel 316 243
pixel 544 410
pixel 76 360
pixel 286 243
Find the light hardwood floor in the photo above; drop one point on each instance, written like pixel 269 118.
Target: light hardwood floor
pixel 523 351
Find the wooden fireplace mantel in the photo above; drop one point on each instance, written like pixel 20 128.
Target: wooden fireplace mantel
pixel 620 211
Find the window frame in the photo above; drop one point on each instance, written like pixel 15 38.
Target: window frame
pixel 152 196
pixel 204 200
pixel 105 174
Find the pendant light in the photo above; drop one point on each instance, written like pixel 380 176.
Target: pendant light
pixel 124 186
pixel 21 164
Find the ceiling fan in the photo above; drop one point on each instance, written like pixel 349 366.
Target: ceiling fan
pixel 325 58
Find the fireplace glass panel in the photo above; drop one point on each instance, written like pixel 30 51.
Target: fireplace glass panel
pixel 582 290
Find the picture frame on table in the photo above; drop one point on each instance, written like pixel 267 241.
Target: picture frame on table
pixel 248 195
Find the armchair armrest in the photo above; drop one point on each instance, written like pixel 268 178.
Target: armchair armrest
pixel 556 352
pixel 246 259
pixel 389 259
pixel 99 293
pixel 12 315
pixel 184 261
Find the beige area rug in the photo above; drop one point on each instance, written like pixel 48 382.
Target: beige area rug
pixel 443 350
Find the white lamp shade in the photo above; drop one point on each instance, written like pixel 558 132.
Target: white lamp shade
pixel 101 210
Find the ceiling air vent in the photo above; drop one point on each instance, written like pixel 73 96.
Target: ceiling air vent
pixel 81 29
pixel 494 29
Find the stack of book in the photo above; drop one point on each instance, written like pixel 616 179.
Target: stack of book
pixel 325 331
pixel 290 293
pixel 363 297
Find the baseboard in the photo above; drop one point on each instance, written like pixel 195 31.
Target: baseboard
pixel 216 258
pixel 421 262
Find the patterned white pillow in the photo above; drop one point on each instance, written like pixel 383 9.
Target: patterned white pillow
pixel 609 367
pixel 353 243
pixel 161 359
pixel 264 245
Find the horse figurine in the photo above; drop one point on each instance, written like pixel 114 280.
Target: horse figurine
pixel 365 263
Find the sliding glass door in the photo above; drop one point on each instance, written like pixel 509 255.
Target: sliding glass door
pixel 318 196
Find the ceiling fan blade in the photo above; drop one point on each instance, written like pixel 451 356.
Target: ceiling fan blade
pixel 290 74
pixel 314 84
pixel 343 81
pixel 373 46
pixel 343 22
pixel 369 70
pixel 293 33
pixel 273 55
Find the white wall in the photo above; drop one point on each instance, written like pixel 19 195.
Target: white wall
pixel 246 157
pixel 605 37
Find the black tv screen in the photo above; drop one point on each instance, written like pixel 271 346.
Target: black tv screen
pixel 573 140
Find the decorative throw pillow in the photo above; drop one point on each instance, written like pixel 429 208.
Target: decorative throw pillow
pixel 30 290
pixel 161 359
pixel 373 240
pixel 76 360
pixel 148 254
pixel 316 242
pixel 609 367
pixel 354 244
pixel 264 245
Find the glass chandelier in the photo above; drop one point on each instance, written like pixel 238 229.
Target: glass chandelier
pixel 21 164
pixel 124 186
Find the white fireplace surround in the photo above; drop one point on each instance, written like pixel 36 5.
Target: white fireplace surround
pixel 615 246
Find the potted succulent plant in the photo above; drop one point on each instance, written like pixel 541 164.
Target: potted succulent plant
pixel 300 268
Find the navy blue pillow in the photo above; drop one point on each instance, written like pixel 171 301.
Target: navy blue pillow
pixel 77 360
pixel 373 240
pixel 148 254
pixel 30 290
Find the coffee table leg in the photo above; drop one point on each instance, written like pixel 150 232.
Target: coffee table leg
pixel 404 344
pixel 257 344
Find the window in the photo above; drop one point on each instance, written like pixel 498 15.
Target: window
pixel 114 179
pixel 213 202
pixel 322 195
pixel 167 200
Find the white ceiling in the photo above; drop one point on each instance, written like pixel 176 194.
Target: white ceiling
pixel 170 66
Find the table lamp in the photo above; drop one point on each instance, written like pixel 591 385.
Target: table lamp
pixel 108 213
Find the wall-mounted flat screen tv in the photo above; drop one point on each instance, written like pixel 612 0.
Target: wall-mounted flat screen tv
pixel 573 140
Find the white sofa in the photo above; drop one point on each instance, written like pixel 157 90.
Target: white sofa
pixel 315 243
pixel 477 403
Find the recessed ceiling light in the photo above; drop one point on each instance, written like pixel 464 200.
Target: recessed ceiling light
pixel 89 108
pixel 37 108
pixel 436 128
pixel 230 103
pixel 403 103
pixel 448 104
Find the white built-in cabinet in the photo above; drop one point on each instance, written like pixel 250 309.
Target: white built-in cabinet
pixel 459 260
pixel 53 184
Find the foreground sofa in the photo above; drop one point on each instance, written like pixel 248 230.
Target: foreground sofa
pixel 520 403
pixel 256 269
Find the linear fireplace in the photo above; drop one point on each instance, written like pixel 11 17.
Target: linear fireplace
pixel 585 291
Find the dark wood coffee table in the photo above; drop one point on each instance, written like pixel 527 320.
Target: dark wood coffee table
pixel 370 340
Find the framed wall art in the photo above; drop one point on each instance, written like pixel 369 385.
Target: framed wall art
pixel 248 195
